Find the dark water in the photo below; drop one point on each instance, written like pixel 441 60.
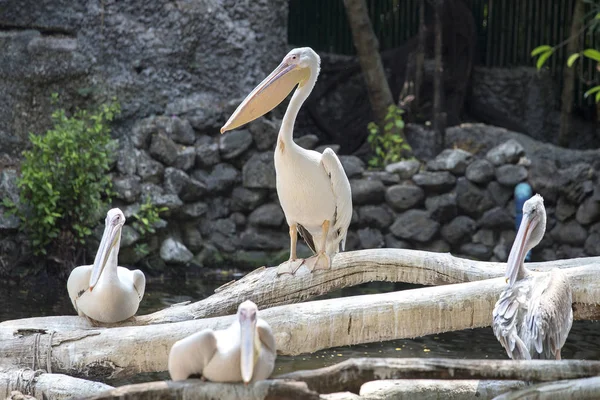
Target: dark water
pixel 51 299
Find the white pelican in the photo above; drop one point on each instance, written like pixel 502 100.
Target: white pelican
pixel 104 292
pixel 313 188
pixel 244 352
pixel 533 316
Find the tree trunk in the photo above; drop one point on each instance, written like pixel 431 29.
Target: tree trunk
pixel 195 389
pixel 439 115
pixel 48 386
pixel 350 375
pixel 367 48
pixel 579 389
pixel 351 268
pixel 569 76
pixel 108 353
pixel 420 56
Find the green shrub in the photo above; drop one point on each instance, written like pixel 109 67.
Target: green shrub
pixel 64 183
pixel 144 221
pixel 388 145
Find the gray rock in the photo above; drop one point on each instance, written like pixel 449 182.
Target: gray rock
pixel 405 169
pixel 163 148
pixel 477 251
pixel 508 236
pixel 499 193
pixel 352 241
pixel 129 236
pixel 141 132
pixel 218 207
pixel 175 180
pixel 588 211
pixel 509 175
pixel 453 160
pixel 414 225
pixel 224 226
pixel 404 196
pixel 370 238
pixel 375 216
pixel 234 143
pixel 307 142
pixel 269 215
pixel 547 255
pixel 485 236
pixel 264 240
pixel 179 130
pixel 480 171
pixel 458 230
pixel 392 242
pixel 222 178
pixel 436 246
pixel 207 153
pixel 194 210
pixel 565 251
pixel 497 218
pixel 442 208
pixel 171 201
pixel 366 191
pixel 508 152
pixel 385 177
pixel 174 252
pixel 592 244
pixel 355 218
pixel 353 166
pixel 186 158
pixel 127 188
pixel 126 158
pixel 8 185
pixel 334 147
pixel 574 182
pixel 472 200
pixel 435 181
pixel 569 233
pixel 239 219
pixel 192 238
pixel 264 132
pixel 193 191
pixel 243 199
pixel 259 171
pixel 8 221
pixel 201 109
pixel 564 209
pixel 501 252
pixel 148 169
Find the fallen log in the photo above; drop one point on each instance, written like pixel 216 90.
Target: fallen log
pixel 351 374
pixel 576 389
pixel 435 389
pixel 47 386
pixel 106 353
pixel 195 389
pixel 266 289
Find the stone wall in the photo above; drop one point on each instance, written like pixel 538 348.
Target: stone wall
pixel 223 207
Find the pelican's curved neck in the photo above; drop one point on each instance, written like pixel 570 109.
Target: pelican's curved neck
pixel 286 132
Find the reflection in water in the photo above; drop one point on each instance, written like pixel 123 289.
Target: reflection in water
pixel 52 299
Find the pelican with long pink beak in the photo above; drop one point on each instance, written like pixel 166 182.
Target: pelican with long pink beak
pixel 104 292
pixel 244 352
pixel 313 188
pixel 533 316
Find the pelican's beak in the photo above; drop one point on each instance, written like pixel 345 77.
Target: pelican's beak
pixel 248 353
pixel 268 94
pixel 519 248
pixel 111 239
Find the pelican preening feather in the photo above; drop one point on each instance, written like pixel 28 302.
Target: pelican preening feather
pixel 533 316
pixel 313 188
pixel 103 291
pixel 244 352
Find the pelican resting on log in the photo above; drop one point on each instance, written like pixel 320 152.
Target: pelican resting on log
pixel 104 292
pixel 313 188
pixel 244 352
pixel 533 316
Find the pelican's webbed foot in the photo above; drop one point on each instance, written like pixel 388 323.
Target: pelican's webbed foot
pixel 319 261
pixel 290 266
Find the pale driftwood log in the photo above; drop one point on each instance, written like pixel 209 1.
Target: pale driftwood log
pixel 351 374
pixel 194 389
pixel 124 351
pixel 575 389
pixel 266 289
pixel 435 389
pixel 48 386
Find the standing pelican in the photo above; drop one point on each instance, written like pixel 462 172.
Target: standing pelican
pixel 533 316
pixel 244 352
pixel 104 292
pixel 313 188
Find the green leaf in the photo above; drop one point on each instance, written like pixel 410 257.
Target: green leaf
pixel 597 97
pixel 592 54
pixel 542 59
pixel 593 90
pixel 540 49
pixel 572 59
